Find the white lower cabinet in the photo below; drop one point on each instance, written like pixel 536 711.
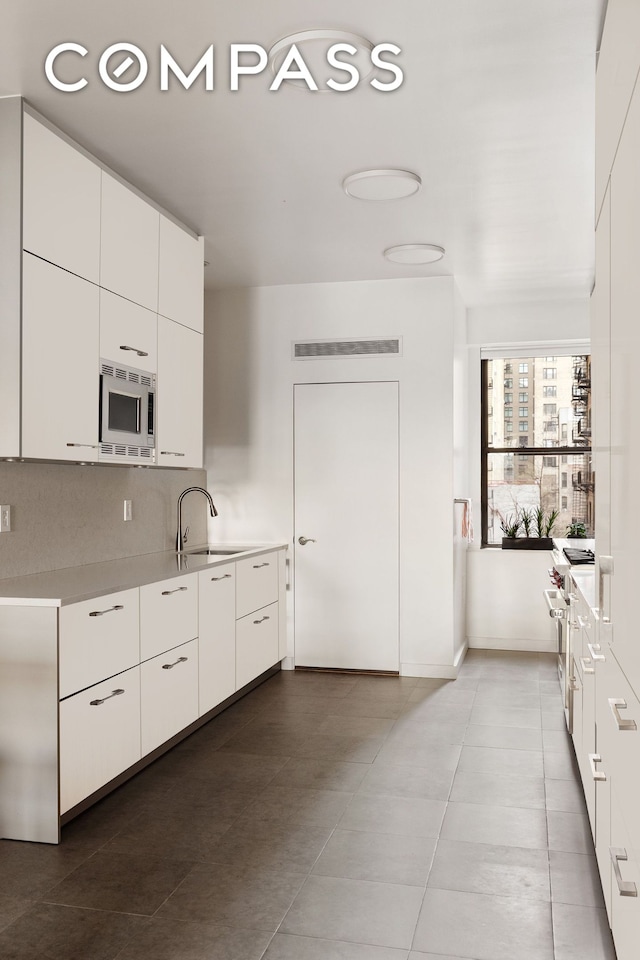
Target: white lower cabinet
pixel 99 736
pixel 168 694
pixel 217 635
pixel 256 643
pixel 624 853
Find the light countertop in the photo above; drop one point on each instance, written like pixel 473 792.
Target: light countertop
pixel 583 575
pixel 56 588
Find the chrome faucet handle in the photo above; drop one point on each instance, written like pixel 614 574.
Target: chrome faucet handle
pixel 185 535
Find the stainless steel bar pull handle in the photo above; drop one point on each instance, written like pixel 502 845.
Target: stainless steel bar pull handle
pixel 586 665
pixel 261 620
pixel 167 593
pixel 303 540
pixel 171 453
pixel 626 888
pixel 596 774
pixel 257 566
pixel 91 446
pixel 101 613
pixel 114 693
pixel 593 649
pixel 605 569
pixel 583 624
pixel 617 704
pixel 170 666
pixel 141 353
pixel 556 613
pixel 223 577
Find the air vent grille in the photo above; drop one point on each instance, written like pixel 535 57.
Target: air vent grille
pixel 123 451
pixel 329 349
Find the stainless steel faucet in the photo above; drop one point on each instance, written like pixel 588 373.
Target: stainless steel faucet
pixel 181 537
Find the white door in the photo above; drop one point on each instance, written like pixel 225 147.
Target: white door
pixel 346 506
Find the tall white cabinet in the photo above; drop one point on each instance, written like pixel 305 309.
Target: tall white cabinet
pixel 615 346
pixel 90 269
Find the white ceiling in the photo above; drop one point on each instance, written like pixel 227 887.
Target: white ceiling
pixel 495 114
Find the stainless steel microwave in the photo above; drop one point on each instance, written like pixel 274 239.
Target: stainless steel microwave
pixel 127 413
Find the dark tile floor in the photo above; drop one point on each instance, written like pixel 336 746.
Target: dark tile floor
pixel 331 817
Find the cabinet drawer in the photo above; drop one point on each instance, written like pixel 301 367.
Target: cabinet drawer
pixel 168 614
pixel 625 881
pixel 99 736
pixel 128 333
pixel 169 694
pixel 98 638
pixel 256 644
pixel 256 583
pixel 216 635
pixel 618 740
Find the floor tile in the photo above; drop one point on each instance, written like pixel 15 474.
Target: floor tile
pixel 469 786
pixel 556 741
pixel 376 856
pixel 126 884
pixel 297 805
pixel 361 706
pixel 442 691
pixel 569 832
pixel 484 927
pixel 432 956
pixel 513 738
pixel 419 750
pixel 183 940
pixel 172 838
pixel 560 766
pixel 575 879
pixel 489 869
pixel 398 780
pixel 237 896
pixel 67 933
pixel 516 688
pixel 438 711
pixel 223 769
pixel 502 762
pixel 502 826
pixel 270 846
pixel 401 816
pixel 565 796
pixel 407 728
pixel 581 933
pixel 11 908
pixel 190 797
pixel 29 870
pixel 507 716
pixel 321 775
pixel 355 726
pixel 359 911
pixel 351 749
pixel 284 946
pixel 265 742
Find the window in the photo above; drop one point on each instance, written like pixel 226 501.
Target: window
pixel 534 456
pixel 508 368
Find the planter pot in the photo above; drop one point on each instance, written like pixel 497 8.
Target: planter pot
pixel 527 543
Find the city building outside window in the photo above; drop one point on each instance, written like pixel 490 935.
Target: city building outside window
pixel 563 482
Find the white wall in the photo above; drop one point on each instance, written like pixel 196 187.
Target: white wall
pixel 249 377
pixel 505 607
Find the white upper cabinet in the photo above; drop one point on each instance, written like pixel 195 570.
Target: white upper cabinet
pixel 61 202
pixel 181 280
pixel 129 244
pixel 60 339
pixel 180 358
pixel 128 333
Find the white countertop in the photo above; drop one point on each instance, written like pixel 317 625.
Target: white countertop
pixel 583 575
pixel 56 588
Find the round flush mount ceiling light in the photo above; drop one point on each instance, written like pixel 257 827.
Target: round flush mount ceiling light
pixel 414 253
pixel 381 184
pixel 313 46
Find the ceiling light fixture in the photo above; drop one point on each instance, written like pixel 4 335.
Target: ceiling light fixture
pixel 414 253
pixel 313 46
pixel 381 184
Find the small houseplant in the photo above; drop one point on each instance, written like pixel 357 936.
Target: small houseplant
pixel 577 530
pixel 536 527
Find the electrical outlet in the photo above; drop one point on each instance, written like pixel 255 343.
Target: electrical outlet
pixel 127 510
pixel 5 518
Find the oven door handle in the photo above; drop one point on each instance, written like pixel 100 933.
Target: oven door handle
pixel 557 613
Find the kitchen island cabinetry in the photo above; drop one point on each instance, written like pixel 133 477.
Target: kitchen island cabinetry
pixel 95 682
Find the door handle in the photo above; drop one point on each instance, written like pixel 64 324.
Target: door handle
pixel 617 704
pixel 626 888
pixel 303 540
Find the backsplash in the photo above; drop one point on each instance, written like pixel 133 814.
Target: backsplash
pixel 63 515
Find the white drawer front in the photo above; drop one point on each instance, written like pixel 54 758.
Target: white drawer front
pixel 217 635
pixel 99 736
pixel 256 643
pixel 98 638
pixel 169 694
pixel 257 582
pixel 168 614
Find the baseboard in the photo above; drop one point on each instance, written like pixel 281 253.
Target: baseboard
pixel 522 644
pixel 436 671
pixel 287 664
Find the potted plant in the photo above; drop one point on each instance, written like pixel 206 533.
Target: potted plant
pixel 536 527
pixel 577 530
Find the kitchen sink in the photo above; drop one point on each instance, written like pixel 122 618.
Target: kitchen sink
pixel 215 551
